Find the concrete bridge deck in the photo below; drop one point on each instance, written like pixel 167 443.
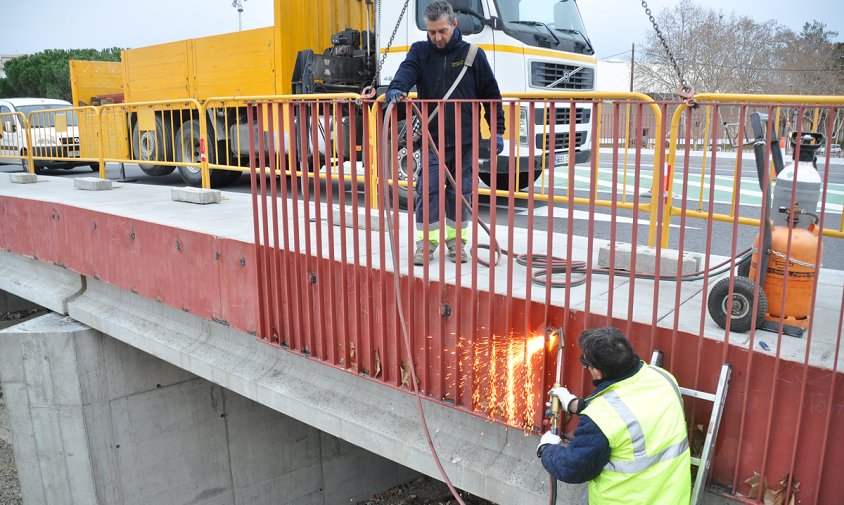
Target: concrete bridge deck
pixel 205 322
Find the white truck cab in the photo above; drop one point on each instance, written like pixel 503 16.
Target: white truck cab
pixel 47 140
pixel 533 46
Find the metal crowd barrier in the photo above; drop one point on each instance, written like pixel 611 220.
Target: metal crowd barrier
pixel 320 120
pixel 167 135
pixel 162 135
pixel 55 137
pixel 14 139
pixel 788 114
pixel 484 335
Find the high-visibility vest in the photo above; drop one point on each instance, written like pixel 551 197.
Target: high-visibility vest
pixel 642 417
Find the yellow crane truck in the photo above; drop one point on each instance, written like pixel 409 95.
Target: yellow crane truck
pixel 532 45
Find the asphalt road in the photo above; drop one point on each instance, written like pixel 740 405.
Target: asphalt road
pixel 698 231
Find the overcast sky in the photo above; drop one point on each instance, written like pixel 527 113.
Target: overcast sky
pixel 34 25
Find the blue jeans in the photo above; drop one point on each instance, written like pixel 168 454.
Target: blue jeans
pixel 452 202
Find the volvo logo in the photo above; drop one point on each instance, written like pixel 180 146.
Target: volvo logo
pixel 564 78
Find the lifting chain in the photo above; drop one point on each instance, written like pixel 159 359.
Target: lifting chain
pixel 792 260
pixel 686 91
pixel 782 256
pixel 369 91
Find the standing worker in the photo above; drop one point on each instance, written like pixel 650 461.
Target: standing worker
pixel 433 66
pixel 630 443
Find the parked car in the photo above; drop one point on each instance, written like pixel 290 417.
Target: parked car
pixel 834 150
pixel 46 140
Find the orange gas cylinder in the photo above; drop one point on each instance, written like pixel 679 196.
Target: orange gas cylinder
pixel 801 273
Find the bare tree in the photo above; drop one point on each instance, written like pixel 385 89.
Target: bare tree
pixel 716 52
pixel 725 53
pixel 812 64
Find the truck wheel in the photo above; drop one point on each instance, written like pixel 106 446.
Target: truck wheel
pixel 231 160
pixel 39 166
pixel 502 181
pixel 399 167
pixel 740 307
pixel 153 146
pixel 187 151
pixel 25 162
pixel 232 178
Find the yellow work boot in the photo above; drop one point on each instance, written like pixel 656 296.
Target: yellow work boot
pixel 423 249
pixel 456 251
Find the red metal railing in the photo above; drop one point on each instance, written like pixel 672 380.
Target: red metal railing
pixel 484 338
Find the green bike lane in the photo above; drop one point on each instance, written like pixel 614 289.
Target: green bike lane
pixel 698 186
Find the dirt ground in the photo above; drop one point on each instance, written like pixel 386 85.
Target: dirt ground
pixel 422 491
pixel 10 489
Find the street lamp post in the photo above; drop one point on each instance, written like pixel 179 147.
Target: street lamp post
pixel 632 62
pixel 238 4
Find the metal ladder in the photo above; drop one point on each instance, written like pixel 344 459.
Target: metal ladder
pixel 718 399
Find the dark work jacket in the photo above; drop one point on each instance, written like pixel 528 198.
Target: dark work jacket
pixel 433 71
pixel 589 450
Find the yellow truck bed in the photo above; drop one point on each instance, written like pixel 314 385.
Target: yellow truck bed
pixel 90 79
pixel 232 64
pixel 255 62
pixel 94 78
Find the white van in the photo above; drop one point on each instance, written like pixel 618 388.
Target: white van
pixel 46 140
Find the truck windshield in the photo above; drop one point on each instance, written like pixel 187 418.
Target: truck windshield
pixel 549 22
pixel 45 119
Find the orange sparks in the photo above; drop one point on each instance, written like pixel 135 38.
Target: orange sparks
pixel 511 375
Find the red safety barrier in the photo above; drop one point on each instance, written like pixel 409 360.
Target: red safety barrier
pixel 334 238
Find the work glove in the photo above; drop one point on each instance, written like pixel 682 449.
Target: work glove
pixel 395 95
pixel 548 438
pixel 499 144
pixel 564 395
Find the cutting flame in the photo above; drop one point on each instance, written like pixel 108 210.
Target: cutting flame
pixel 552 340
pixel 511 369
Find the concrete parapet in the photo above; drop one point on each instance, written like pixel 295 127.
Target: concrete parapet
pixel 92 184
pixel 23 178
pixel 196 195
pixel 41 283
pixel 646 259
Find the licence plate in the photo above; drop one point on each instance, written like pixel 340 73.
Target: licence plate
pixel 561 159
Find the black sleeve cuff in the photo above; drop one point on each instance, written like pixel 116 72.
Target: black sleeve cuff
pixel 540 450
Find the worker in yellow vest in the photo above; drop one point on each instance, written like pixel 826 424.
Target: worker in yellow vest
pixel 630 442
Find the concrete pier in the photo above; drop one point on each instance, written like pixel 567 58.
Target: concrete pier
pixel 95 421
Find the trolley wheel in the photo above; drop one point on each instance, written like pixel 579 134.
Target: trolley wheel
pixel 739 307
pixel 743 267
